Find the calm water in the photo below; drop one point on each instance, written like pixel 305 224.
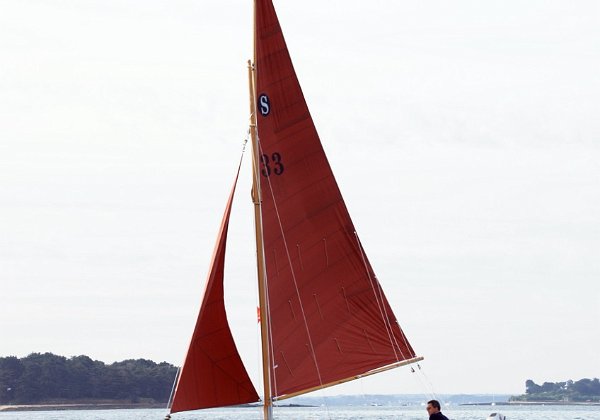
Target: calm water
pixel 333 413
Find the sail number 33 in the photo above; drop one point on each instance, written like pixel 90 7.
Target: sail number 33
pixel 271 165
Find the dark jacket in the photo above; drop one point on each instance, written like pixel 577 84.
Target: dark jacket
pixel 438 416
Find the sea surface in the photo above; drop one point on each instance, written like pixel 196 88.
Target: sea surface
pixel 332 413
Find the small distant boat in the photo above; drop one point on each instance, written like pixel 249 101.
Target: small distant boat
pixel 496 416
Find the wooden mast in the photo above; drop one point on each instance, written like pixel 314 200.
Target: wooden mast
pixel 260 256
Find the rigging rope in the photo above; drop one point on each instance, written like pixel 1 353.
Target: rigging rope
pixel 173 390
pixel 380 304
pixel 424 381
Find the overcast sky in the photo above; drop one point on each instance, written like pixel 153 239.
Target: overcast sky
pixel 464 135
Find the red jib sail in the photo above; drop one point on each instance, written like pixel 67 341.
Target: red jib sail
pixel 329 320
pixel 213 374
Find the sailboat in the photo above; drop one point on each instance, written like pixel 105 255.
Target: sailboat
pixel 323 315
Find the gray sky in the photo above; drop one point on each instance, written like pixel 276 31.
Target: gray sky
pixel 464 135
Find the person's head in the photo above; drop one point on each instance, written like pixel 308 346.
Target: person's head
pixel 433 406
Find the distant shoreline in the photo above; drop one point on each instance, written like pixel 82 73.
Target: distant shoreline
pixel 517 403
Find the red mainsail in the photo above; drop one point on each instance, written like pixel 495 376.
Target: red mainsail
pixel 213 374
pixel 329 320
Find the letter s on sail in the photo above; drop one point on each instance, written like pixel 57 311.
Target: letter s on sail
pixel 264 105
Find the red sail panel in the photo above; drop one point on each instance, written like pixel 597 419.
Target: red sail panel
pixel 329 319
pixel 213 374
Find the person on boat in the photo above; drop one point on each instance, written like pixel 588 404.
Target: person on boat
pixel 433 408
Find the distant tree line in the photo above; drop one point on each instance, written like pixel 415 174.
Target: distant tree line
pixel 584 390
pixel 47 377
